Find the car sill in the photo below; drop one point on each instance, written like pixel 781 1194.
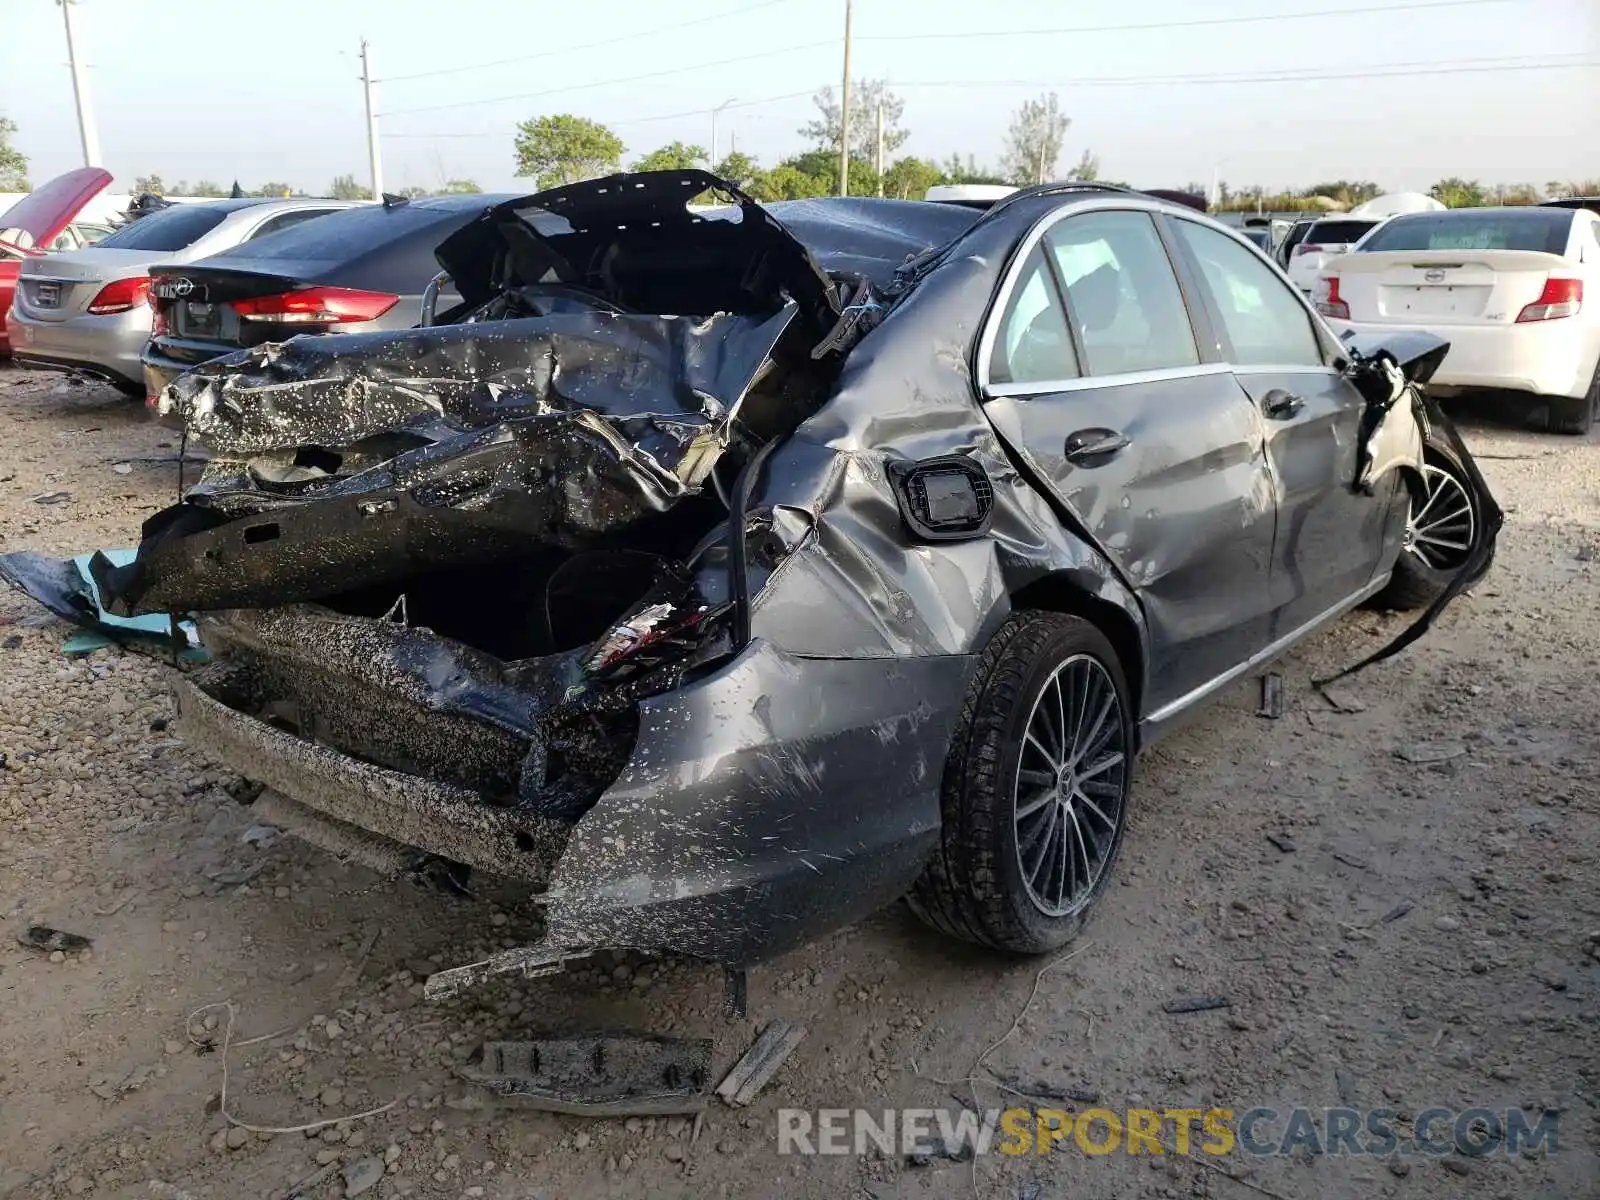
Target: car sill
pixel 1165 718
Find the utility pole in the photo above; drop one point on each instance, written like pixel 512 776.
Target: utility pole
pixel 372 122
pixel 712 165
pixel 844 111
pixel 880 147
pixel 80 93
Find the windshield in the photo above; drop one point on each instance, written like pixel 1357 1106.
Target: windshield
pixel 1480 229
pixel 169 230
pixel 1335 233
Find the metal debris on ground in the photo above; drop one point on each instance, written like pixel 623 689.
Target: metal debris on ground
pixel 598 1075
pixel 1398 911
pixel 1282 841
pixel 43 938
pixel 1271 696
pixel 1189 1004
pixel 1426 753
pixel 760 1063
pixel 53 498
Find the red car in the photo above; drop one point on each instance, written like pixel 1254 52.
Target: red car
pixel 42 215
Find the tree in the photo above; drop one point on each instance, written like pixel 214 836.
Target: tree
pixel 149 185
pixel 956 171
pixel 1458 193
pixel 411 193
pixel 13 162
pixel 910 178
pixel 345 187
pixel 207 187
pixel 787 182
pixel 1088 168
pixel 461 187
pixel 865 97
pixel 1034 142
pixel 1348 192
pixel 564 149
pixel 278 190
pixel 673 157
pixel 738 169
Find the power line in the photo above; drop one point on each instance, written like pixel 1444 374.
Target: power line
pixel 1390 70
pixel 565 50
pixel 594 83
pixel 1192 23
pixel 1457 66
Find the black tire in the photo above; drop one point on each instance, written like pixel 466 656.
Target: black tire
pixel 1576 417
pixel 1418 580
pixel 974 887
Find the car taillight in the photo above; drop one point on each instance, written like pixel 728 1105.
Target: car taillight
pixel 315 306
pixel 1307 248
pixel 121 296
pixel 1562 297
pixel 1332 305
pixel 158 315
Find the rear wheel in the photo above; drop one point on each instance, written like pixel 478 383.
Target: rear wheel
pixel 1438 537
pixel 1576 416
pixel 1036 788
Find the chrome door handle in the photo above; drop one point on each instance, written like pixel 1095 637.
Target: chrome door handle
pixel 1091 447
pixel 1281 405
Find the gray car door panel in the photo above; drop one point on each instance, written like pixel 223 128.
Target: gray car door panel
pixel 1184 512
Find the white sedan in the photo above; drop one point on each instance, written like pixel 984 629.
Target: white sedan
pixel 1506 286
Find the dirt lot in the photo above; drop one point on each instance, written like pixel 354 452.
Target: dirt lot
pixel 1269 862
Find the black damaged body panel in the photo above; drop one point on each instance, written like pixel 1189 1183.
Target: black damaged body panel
pixel 618 597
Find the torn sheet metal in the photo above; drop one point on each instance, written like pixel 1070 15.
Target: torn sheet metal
pixel 599 1075
pixel 1390 374
pixel 437 447
pixel 66 587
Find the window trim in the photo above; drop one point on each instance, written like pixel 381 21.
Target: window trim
pixel 1052 281
pixel 1002 298
pixel 1331 357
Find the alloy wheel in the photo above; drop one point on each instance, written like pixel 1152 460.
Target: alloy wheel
pixel 1440 532
pixel 1071 780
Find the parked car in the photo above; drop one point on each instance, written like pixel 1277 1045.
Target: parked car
pixel 1259 236
pixel 721 579
pixel 1507 287
pixel 1590 203
pixel 1323 241
pixel 359 270
pixel 87 310
pixel 38 219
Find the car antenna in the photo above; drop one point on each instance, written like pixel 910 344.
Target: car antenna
pixel 390 200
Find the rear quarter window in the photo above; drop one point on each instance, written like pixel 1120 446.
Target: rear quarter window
pixel 1544 230
pixel 1336 233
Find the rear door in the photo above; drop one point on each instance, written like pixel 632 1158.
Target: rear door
pixel 1094 376
pixel 1330 536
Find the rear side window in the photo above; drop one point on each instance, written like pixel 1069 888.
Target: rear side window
pixel 1338 233
pixel 1266 325
pixel 169 230
pixel 1033 345
pixel 1541 229
pixel 1122 294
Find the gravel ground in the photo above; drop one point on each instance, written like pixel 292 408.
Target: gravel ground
pixel 1389 933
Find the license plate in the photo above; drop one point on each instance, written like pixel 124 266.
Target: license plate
pixel 177 289
pixel 47 295
pixel 200 318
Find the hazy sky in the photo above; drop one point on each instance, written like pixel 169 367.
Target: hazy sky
pixel 197 89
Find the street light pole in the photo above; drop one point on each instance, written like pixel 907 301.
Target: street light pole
pixel 372 122
pixel 844 111
pixel 80 93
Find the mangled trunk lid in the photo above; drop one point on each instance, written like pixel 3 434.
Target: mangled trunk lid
pixel 610 339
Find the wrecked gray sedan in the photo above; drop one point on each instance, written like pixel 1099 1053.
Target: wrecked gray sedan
pixel 724 574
